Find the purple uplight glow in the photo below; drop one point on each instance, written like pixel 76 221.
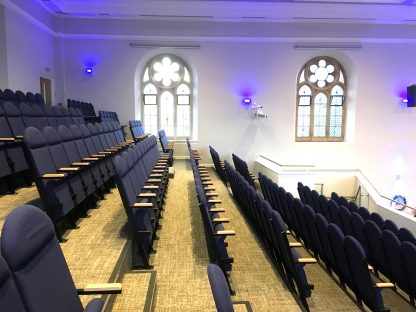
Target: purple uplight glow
pixel 89 70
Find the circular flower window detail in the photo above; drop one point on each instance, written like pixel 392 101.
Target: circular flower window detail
pixel 322 73
pixel 166 72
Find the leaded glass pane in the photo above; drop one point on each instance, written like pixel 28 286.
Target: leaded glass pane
pixel 302 77
pixel 167 113
pixel 320 115
pixel 150 99
pixel 186 76
pixel 183 120
pixel 146 75
pixel 183 99
pixel 150 119
pixel 150 89
pixel 335 121
pixel 304 121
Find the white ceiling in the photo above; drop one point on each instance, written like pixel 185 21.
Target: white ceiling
pixel 363 11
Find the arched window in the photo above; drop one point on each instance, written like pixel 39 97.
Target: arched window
pixel 321 97
pixel 167 96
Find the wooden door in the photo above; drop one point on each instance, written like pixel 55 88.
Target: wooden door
pixel 46 90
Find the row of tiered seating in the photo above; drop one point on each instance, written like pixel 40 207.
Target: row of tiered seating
pixel 215 233
pixel 108 116
pixel 142 177
pixel 137 130
pixel 341 252
pixel 386 247
pixel 72 166
pixel 218 164
pixel 19 97
pixel 241 166
pixel 87 109
pixel 272 231
pixel 34 275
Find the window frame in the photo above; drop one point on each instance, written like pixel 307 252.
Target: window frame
pixel 327 90
pixel 173 91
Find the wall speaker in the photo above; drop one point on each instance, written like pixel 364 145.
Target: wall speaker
pixel 411 96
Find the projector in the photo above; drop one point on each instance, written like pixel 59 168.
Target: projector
pixel 258 111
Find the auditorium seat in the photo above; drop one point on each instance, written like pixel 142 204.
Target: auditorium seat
pixel 10 96
pixel 220 289
pixel 53 187
pixel 38 266
pixel 375 247
pixel 20 97
pixel 345 218
pixel 14 119
pixel 321 226
pixel 31 99
pixel 357 224
pixel 336 239
pixel 28 115
pixel 39 99
pixel 391 226
pixel 365 288
pixel 408 255
pixel 406 236
pixel 377 219
pixel 391 247
pixel 10 299
pixel 39 116
pixel 50 116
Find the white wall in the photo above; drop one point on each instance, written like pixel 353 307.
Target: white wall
pixel 30 53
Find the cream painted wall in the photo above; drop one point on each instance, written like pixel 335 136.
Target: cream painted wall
pixel 380 128
pixel 30 53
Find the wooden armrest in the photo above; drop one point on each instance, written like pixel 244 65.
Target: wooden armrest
pixel 7 139
pixel 225 233
pixel 54 175
pixel 370 267
pixel 216 210
pixel 158 171
pixel 384 285
pixel 112 149
pixel 307 260
pixel 142 205
pixel 214 201
pixel 296 244
pixel 98 155
pixel 150 187
pixel 146 195
pixel 81 164
pixel 159 167
pixel 154 180
pixel 155 175
pixel 105 288
pixel 19 136
pixel 211 194
pixel 207 183
pixel 220 220
pixel 68 169
pixel 209 188
pixel 205 179
pixel 90 158
pixel 105 153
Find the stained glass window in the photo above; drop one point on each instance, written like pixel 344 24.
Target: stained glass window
pixel 321 100
pixel 167 96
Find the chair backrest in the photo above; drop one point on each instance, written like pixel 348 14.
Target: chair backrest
pixel 360 274
pixel 31 249
pixel 322 228
pixel 357 224
pixel 10 299
pixel 345 217
pixel 408 255
pixel 220 289
pixel 391 226
pixel 20 97
pixel 391 247
pixel 406 236
pixel 31 98
pixel 336 238
pixel 14 118
pixel 364 213
pixel 377 219
pixel 375 246
pixel 28 115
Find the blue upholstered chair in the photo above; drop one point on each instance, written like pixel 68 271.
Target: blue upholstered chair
pixel 219 288
pixel 37 264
